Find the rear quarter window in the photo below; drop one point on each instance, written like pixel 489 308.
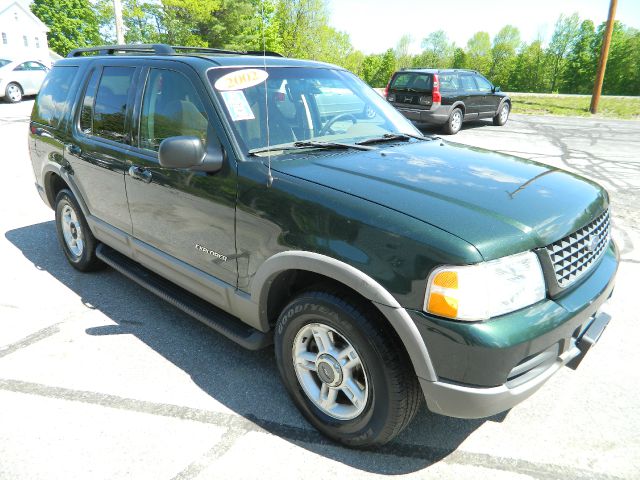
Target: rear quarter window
pixel 53 100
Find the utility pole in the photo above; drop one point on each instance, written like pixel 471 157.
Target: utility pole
pixel 604 53
pixel 117 10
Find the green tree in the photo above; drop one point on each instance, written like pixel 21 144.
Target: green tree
pixel 503 55
pixel 459 58
pixel 437 51
pixel 530 69
pixel 621 74
pixel 72 23
pixel 580 69
pixel 479 52
pixel 403 57
pixel 377 69
pixel 562 40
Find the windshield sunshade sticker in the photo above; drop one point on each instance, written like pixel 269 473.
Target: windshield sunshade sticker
pixel 237 105
pixel 241 79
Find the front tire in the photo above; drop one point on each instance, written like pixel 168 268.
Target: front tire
pixel 349 376
pixel 454 123
pixel 76 240
pixel 13 93
pixel 503 115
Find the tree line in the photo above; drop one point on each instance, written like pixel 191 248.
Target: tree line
pixel 300 28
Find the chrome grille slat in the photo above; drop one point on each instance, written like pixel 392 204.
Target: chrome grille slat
pixel 571 256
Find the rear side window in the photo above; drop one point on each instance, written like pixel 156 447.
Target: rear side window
pixel 110 107
pixel 449 82
pixel 53 99
pixel 467 83
pixel 412 81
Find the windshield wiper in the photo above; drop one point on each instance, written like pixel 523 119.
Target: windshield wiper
pixel 390 137
pixel 310 144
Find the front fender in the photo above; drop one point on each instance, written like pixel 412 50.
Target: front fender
pixel 366 286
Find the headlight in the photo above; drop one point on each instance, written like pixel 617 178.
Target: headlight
pixel 485 290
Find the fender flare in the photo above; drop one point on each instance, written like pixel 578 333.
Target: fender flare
pixel 348 275
pixel 62 172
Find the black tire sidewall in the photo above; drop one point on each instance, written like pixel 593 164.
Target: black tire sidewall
pixel 87 259
pixel 370 424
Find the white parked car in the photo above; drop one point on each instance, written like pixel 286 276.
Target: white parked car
pixel 19 78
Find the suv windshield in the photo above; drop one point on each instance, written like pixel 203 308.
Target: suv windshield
pixel 285 105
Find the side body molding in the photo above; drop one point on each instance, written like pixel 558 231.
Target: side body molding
pixel 358 281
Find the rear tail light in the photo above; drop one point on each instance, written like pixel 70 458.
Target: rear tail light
pixel 437 98
pixel 386 90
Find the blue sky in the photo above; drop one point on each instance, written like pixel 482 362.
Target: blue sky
pixel 375 25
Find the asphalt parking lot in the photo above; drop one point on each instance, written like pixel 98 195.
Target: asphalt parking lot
pixel 99 379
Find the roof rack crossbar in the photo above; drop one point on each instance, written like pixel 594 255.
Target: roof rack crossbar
pixel 155 48
pixel 161 49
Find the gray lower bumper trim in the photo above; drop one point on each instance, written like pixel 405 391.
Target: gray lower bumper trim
pixel 468 402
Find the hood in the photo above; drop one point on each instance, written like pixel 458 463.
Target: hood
pixel 499 203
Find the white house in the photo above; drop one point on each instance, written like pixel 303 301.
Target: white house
pixel 22 34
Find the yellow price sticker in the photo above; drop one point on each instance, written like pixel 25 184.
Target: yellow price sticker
pixel 241 79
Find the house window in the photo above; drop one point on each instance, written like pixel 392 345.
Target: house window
pixel 26 41
pixel 4 38
pixel 37 42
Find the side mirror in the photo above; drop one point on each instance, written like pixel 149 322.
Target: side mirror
pixel 496 89
pixel 189 152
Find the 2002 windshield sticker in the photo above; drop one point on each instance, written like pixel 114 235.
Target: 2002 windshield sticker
pixel 231 86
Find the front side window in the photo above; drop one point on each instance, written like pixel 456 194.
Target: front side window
pixel 171 107
pixel 300 104
pixel 111 103
pixel 483 84
pixel 53 101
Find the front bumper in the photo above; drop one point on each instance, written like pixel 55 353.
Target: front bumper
pixel 488 367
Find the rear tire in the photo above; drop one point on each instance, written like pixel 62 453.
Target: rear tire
pixel 454 123
pixel 503 115
pixel 13 93
pixel 349 376
pixel 76 240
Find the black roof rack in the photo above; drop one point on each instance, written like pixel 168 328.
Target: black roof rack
pixel 161 49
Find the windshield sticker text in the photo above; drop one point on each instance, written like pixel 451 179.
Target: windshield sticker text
pixel 237 105
pixel 240 79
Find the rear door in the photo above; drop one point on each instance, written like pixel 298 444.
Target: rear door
pixel 188 214
pixel 101 144
pixel 470 95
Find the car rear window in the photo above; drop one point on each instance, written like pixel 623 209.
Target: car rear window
pixel 4 62
pixel 52 101
pixel 412 81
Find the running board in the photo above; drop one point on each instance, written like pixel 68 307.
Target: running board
pixel 222 322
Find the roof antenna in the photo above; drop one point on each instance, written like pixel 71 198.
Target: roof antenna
pixel 266 97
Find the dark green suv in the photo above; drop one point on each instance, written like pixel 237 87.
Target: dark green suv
pixel 283 201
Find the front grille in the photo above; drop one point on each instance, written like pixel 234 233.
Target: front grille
pixel 575 254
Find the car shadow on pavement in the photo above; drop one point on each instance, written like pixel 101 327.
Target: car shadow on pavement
pixel 437 129
pixel 247 382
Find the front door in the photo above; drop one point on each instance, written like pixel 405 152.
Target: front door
pixel 487 108
pixel 187 214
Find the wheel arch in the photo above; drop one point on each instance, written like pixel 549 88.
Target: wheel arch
pixel 461 106
pixel 272 284
pixel 56 178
